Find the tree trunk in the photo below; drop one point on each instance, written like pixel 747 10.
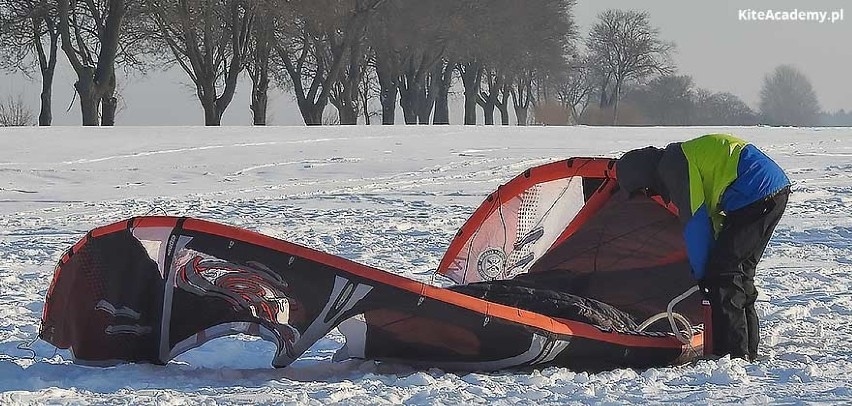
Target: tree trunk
pixel 575 116
pixel 312 113
pixel 108 107
pixel 89 100
pixel 47 65
pixel 388 99
pixel 521 101
pixel 442 109
pixel 415 102
pixel 109 103
pixel 442 106
pixel 423 109
pixel 471 74
pixel 432 86
pixel 260 87
pixel 504 113
pixel 313 102
pixel 605 100
pixel 522 113
pixel 348 108
pixel 411 91
pixel 259 69
pixel 489 101
pixel 347 104
pixel 388 93
pixel 488 111
pixel 469 108
pixel 259 102
pixel 316 113
pixel 95 79
pixel 365 105
pixel 423 106
pixel 503 103
pixel 89 110
pixel 348 114
pixel 409 113
pixel 435 83
pixel 211 116
pixel 616 96
pixel 45 116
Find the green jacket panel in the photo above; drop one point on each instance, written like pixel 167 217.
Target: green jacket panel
pixel 713 160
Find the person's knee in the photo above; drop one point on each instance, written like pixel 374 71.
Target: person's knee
pixel 751 296
pixel 730 291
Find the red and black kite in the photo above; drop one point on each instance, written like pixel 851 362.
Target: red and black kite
pixel 556 267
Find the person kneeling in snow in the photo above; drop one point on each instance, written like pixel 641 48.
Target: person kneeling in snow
pixel 730 196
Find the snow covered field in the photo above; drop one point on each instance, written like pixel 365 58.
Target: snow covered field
pixel 392 197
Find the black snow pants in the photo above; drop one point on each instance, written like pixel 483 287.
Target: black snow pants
pixel 729 277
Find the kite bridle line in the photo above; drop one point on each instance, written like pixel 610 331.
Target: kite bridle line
pixel 686 339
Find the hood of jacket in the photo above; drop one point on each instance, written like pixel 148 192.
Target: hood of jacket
pixel 637 170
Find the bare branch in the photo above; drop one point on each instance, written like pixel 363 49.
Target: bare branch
pixel 15 113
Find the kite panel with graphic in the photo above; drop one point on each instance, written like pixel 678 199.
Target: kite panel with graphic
pixel 568 222
pixel 149 288
pixel 561 241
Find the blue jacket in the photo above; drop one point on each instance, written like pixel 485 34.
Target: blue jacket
pixel 705 178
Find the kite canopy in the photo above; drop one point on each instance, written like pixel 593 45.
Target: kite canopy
pixel 555 267
pixel 567 223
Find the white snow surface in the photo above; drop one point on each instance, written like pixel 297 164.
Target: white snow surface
pixel 392 197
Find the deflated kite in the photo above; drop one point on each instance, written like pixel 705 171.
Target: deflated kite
pixel 556 267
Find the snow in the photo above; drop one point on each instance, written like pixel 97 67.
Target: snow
pixel 392 197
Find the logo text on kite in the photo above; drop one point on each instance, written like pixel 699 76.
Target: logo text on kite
pixel 491 263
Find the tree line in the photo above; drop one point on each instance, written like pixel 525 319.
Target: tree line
pixel 368 57
pixel 786 99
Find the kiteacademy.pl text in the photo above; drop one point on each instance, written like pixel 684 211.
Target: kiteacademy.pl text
pixel 791 15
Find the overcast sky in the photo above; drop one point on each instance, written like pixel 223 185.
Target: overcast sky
pixel 718 49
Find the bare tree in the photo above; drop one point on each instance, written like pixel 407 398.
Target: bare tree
pixel 209 40
pixel 94 35
pixel 574 87
pixel 416 99
pixel 345 92
pixel 409 40
pixel 787 98
pixel 15 113
pixel 494 94
pixel 387 58
pixel 368 90
pixel 721 109
pixel 675 100
pixel 419 46
pixel 839 118
pixel 471 75
pixel 468 49
pixel 667 100
pixel 624 46
pixel 522 95
pixel 502 101
pixel 441 80
pixel 499 42
pixel 537 46
pixel 315 43
pixel 29 35
pixel 257 62
pixel 304 57
pixel 425 49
